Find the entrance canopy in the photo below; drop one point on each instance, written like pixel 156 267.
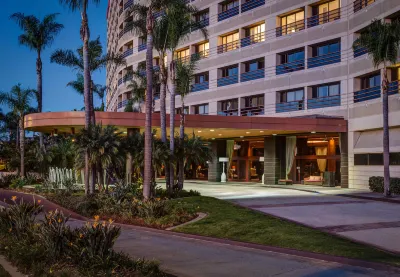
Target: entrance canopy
pixel 206 126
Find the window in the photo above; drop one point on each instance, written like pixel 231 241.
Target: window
pixel 333 47
pixel 229 71
pixel 324 13
pixel 254 101
pixel 202 16
pixel 256 32
pixel 229 105
pixel 201 109
pixel 371 81
pixel 179 110
pixel 292 96
pixel 182 54
pixel 376 159
pixel 229 5
pixel 203 49
pixel 292 57
pixel 327 7
pixel 142 40
pixel 326 90
pixel 254 65
pixel 201 78
pixel 228 42
pixel 360 159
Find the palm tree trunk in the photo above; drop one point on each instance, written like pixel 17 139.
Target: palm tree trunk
pixel 92 113
pixel 385 111
pixel 39 91
pixel 22 146
pixel 181 145
pixel 172 126
pixel 87 172
pixel 93 179
pixel 148 140
pixel 17 138
pixel 163 116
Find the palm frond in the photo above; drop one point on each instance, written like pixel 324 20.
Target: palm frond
pixel 67 58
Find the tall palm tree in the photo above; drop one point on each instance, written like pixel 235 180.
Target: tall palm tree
pixel 38 35
pixel 19 101
pixel 382 43
pixel 101 92
pixel 185 73
pixel 180 26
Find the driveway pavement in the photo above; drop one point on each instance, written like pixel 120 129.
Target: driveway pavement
pixel 365 220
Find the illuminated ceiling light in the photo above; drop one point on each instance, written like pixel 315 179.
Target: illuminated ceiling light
pixel 212 138
pixel 313 132
pixel 241 137
pixel 274 134
pixel 219 134
pixel 261 131
pixel 247 132
pixel 73 140
pixel 212 130
pixel 125 132
pixel 198 131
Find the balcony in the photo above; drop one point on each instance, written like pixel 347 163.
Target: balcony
pixel 128 4
pixel 252 39
pixel 201 55
pixel 323 18
pixel 121 33
pixel 226 81
pixel 127 53
pixel 251 4
pixel 158 14
pixel 121 10
pixel 252 75
pixel 228 47
pixel 359 51
pixel 290 67
pixel 156 68
pixel 290 28
pixel 200 86
pixel 228 13
pixel 201 24
pixel 367 94
pixel 289 106
pixel 127 78
pixel 120 81
pixel 185 59
pixel 142 47
pixel 234 112
pixel 324 60
pixel 323 102
pixel 252 111
pixel 123 103
pixel 361 4
pixel 394 88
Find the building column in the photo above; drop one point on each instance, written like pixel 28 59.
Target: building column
pixel 218 148
pixel 128 173
pixel 344 160
pixel 274 159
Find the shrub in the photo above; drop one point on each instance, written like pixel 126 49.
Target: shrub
pixel 376 184
pixel 89 206
pixel 19 183
pixel 154 208
pixel 6 180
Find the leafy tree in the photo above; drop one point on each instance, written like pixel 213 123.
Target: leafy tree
pixel 19 101
pixel 382 43
pixel 38 35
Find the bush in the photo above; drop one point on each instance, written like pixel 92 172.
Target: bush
pixel 152 208
pixel 376 184
pixel 6 180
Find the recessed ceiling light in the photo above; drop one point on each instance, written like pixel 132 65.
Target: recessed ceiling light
pixel 199 131
pixel 274 134
pixel 212 130
pixel 125 132
pixel 241 136
pixel 261 131
pixel 313 132
pixel 213 138
pixel 219 134
pixel 247 132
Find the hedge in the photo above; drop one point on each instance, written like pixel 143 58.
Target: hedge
pixel 376 184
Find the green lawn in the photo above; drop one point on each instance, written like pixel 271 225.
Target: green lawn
pixel 229 221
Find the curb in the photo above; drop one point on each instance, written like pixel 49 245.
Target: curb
pixel 13 271
pixel 200 216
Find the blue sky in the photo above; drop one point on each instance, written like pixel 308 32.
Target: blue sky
pixel 18 63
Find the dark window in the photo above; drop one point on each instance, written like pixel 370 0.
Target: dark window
pixel 292 57
pixel 201 109
pixel 371 81
pixel 360 159
pixel 326 90
pixel 201 78
pixel 375 159
pixel 326 49
pixel 254 101
pixel 394 158
pixel 229 105
pixel 254 65
pixel 203 15
pixel 229 71
pixel 142 40
pixel 229 5
pixel 292 95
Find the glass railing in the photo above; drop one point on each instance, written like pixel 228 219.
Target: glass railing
pixel 323 102
pixel 252 111
pixel 128 4
pixel 361 4
pixel 229 113
pixel 121 10
pixel 120 81
pixel 324 60
pixel 121 33
pixel 200 86
pixel 251 4
pixel 127 53
pixel 290 67
pixel 394 88
pixel 158 14
pixel 359 51
pixel 201 55
pixel 367 94
pixel 290 28
pixel 260 37
pixel 142 47
pixel 323 18
pixel 201 24
pixel 156 67
pixel 228 13
pixel 229 80
pixel 127 78
pixel 228 47
pixel 252 75
pixel 289 106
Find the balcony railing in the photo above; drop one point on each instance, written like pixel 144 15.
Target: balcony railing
pixel 289 106
pixel 252 39
pixel 234 112
pixel 128 4
pixel 228 47
pixel 121 33
pixel 142 47
pixel 367 94
pixel 228 13
pixel 252 75
pixel 127 78
pixel 252 111
pixel 201 24
pixel 322 60
pixel 361 4
pixel 185 59
pixel 127 53
pixel 200 86
pixel 123 103
pixel 156 68
pixel 229 80
pixel 323 102
pixel 201 55
pixel 121 10
pixel 323 18
pixel 290 28
pixel 359 51
pixel 252 4
pixel 120 81
pixel 394 88
pixel 290 67
pixel 158 14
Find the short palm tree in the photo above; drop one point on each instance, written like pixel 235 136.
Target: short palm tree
pixel 382 43
pixel 19 101
pixel 196 152
pixel 101 92
pixel 38 35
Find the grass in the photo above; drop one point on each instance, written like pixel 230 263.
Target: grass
pixel 3 272
pixel 226 220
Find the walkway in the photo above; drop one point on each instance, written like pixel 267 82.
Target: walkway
pixel 329 209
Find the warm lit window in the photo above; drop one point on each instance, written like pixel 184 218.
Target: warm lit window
pixel 203 49
pixel 291 23
pixel 257 33
pixel 182 54
pixel 228 42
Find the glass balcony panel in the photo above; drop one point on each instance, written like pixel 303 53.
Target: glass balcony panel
pixel 120 81
pixel 229 80
pixel 290 28
pixel 229 113
pixel 323 102
pixel 367 94
pixel 252 111
pixel 260 37
pixel 289 106
pixel 361 4
pixel 324 60
pixel 128 4
pixel 323 18
pixel 200 86
pixel 142 47
pixel 394 88
pixel 252 75
pixel 228 47
pixel 289 67
pixel 252 4
pixel 201 24
pixel 359 51
pixel 127 53
pixel 228 13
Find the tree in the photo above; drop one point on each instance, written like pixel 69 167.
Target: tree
pixel 38 35
pixel 185 73
pixel 18 100
pixel 101 92
pixel 195 152
pixel 382 43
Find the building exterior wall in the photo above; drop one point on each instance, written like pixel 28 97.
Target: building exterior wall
pixel 363 117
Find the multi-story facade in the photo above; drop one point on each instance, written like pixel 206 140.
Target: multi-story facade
pixel 286 58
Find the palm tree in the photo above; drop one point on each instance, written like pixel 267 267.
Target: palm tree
pixel 184 78
pixel 382 43
pixel 18 100
pixel 38 35
pixel 101 92
pixel 180 26
pixel 196 152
